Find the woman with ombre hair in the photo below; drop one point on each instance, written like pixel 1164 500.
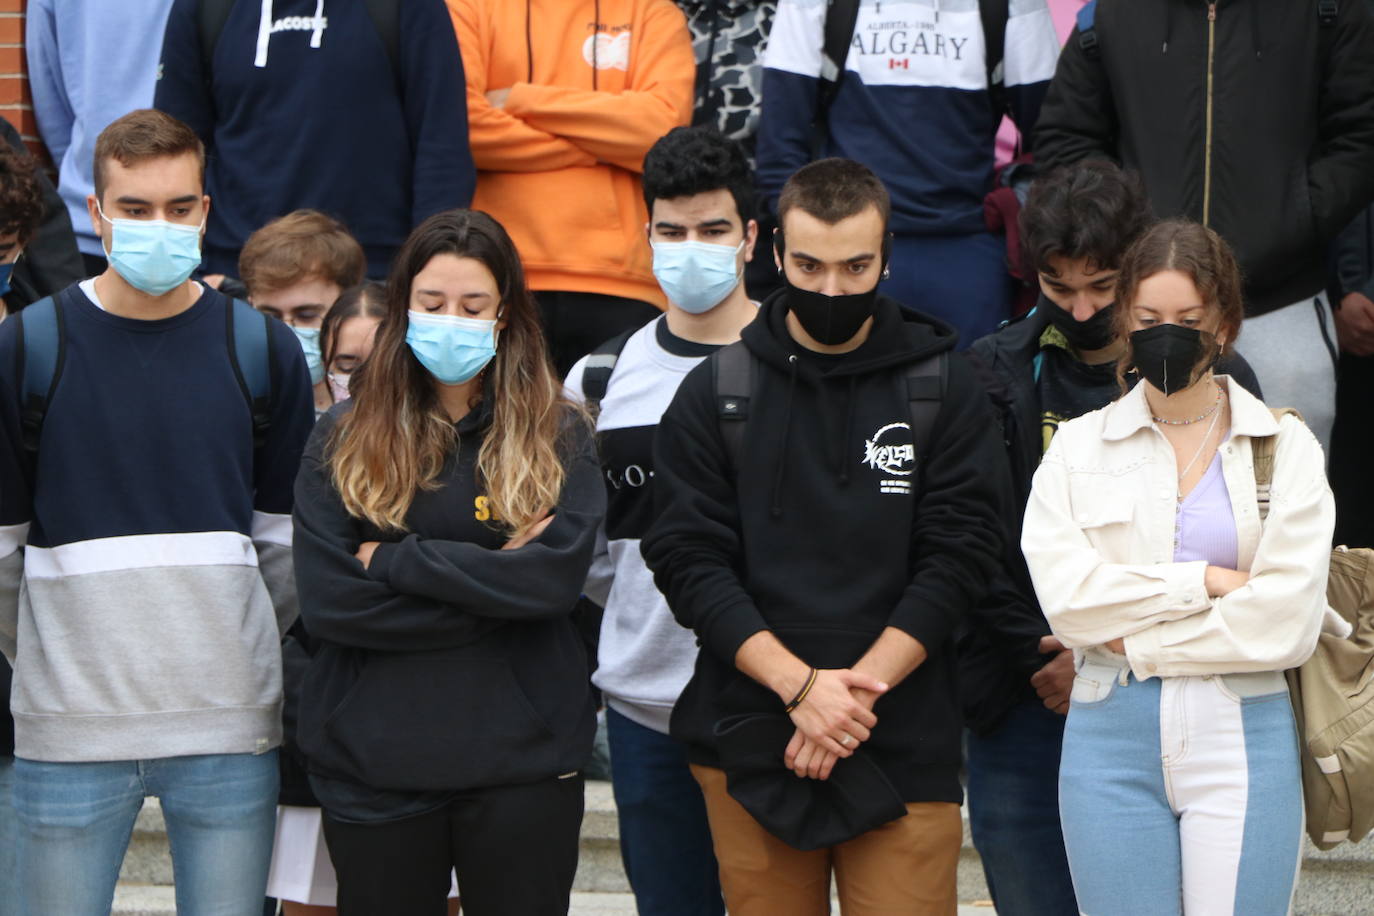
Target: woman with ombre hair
pixel 445 523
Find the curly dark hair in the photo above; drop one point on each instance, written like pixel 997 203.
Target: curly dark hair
pixel 21 198
pixel 693 160
pixel 1092 209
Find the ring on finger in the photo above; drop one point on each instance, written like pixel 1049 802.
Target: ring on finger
pixel 846 740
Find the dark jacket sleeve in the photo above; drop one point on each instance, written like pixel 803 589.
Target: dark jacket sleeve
pixel 51 261
pixel 957 536
pixel 1078 117
pixel 1341 175
pixel 340 602
pixel 16 494
pixel 434 90
pixel 539 581
pixel 694 545
pixel 183 84
pixel 1353 259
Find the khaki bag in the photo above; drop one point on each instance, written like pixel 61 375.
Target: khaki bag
pixel 1333 691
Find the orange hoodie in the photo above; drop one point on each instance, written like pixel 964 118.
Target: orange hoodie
pixel 559 163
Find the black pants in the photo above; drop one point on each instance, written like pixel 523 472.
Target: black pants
pixel 1352 443
pixel 514 849
pixel 575 324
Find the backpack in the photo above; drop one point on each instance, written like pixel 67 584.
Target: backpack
pixel 841 18
pixel 1333 691
pixel 734 370
pixel 385 16
pixel 43 348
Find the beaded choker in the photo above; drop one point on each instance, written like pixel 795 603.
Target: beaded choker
pixel 1199 418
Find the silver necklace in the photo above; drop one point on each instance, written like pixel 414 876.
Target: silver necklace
pixel 1206 438
pixel 1188 422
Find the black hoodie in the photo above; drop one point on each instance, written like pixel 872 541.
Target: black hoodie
pixel 448 664
pixel 823 538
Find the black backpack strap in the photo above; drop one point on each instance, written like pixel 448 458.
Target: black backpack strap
pixel 925 391
pixel 596 371
pixel 732 369
pixel 250 353
pixel 1087 31
pixel 40 365
pixel 841 18
pixel 213 15
pixel 994 15
pixel 386 18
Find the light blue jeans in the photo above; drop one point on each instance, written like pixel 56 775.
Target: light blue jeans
pixel 9 836
pixel 1181 795
pixel 75 821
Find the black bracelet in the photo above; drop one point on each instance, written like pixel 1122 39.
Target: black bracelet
pixel 801 694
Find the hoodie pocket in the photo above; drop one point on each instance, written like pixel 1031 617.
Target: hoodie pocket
pixel 420 723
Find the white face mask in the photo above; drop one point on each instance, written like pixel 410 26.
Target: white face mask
pixel 338 385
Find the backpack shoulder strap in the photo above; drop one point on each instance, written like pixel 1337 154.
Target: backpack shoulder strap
pixel 1262 450
pixel 994 15
pixel 213 15
pixel 841 18
pixel 1087 31
pixel 250 353
pixel 41 356
pixel 386 18
pixel 596 372
pixel 925 390
pixel 732 369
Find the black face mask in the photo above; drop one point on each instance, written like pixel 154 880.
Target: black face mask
pixel 1170 356
pixel 830 320
pixel 1094 333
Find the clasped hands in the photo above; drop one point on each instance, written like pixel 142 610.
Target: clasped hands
pixel 835 717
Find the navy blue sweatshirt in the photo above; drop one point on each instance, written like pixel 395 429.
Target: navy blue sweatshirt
pixel 331 124
pixel 913 106
pixel 145 574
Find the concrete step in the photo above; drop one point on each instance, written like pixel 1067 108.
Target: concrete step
pixel 1334 883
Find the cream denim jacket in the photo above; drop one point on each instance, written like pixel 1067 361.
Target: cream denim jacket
pixel 1099 540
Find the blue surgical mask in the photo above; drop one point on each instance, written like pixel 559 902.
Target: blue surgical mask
pixel 152 254
pixel 7 274
pixel 310 343
pixel 452 348
pixel 696 276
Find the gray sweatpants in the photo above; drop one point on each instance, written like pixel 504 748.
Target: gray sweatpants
pixel 1291 350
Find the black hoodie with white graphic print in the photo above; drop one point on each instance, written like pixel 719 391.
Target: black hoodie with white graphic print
pixel 835 526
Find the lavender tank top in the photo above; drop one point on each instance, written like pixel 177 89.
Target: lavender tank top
pixel 1206 526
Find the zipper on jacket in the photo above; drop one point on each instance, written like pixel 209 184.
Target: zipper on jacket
pixel 1207 153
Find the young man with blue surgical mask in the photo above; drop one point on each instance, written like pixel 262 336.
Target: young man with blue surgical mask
pixel 145 572
pixel 295 267
pixel 699 192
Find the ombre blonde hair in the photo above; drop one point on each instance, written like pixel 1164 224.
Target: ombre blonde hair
pixel 394 441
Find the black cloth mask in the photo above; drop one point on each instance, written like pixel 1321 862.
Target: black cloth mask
pixel 830 320
pixel 1094 333
pixel 1170 356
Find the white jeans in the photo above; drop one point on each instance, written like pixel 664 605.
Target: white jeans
pixel 1291 350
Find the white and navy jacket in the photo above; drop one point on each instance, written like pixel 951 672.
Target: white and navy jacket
pixel 145 549
pixel 914 103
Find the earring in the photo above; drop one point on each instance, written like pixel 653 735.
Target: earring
pixel 887 273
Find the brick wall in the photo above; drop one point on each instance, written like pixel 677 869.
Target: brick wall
pixel 15 104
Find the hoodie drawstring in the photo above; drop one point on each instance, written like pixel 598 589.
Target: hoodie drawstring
pixel 318 35
pixel 842 466
pixel 264 33
pixel 776 509
pixel 529 46
pixel 704 69
pixel 1255 30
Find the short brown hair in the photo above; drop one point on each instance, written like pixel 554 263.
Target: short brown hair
pixel 834 189
pixel 1195 251
pixel 142 135
pixel 302 245
pixel 21 199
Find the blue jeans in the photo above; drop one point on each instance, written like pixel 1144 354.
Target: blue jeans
pixel 75 821
pixel 961 279
pixel 665 840
pixel 9 836
pixel 1013 804
pixel 1181 795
